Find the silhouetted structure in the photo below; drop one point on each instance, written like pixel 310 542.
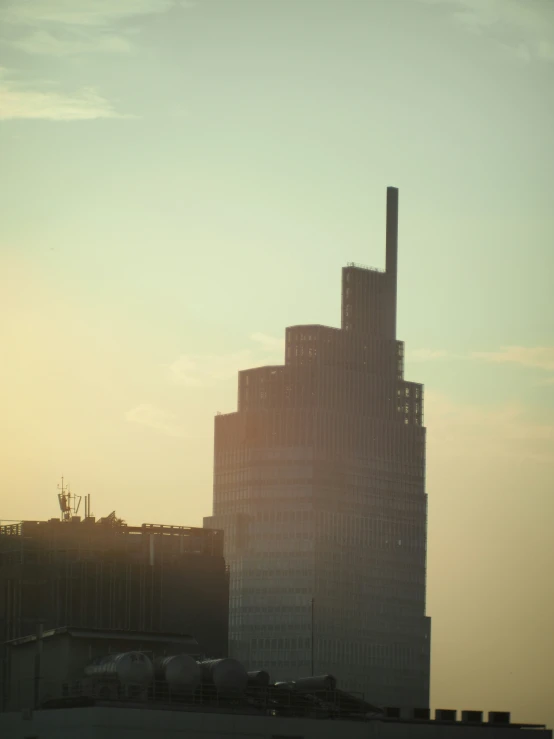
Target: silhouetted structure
pixel 319 485
pixel 72 682
pixel 108 575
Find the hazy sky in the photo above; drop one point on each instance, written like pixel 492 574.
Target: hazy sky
pixel 182 180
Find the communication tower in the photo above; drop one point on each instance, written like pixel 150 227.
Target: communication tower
pixel 68 501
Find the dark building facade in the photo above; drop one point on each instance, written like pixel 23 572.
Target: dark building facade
pixel 108 575
pixel 319 485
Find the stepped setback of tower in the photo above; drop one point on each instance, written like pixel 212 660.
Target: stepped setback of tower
pixel 319 484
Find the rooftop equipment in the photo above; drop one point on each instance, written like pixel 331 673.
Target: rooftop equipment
pixel 181 672
pixel 227 675
pixel 130 668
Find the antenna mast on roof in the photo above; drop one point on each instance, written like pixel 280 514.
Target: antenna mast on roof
pixel 69 504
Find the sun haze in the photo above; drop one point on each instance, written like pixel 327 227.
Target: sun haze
pixel 182 180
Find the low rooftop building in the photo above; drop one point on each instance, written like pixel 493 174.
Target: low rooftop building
pixel 99 684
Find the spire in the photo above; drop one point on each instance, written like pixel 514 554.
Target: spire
pixel 392 249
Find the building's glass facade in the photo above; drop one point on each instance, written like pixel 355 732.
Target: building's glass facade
pixel 319 484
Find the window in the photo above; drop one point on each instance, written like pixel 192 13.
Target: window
pixel 407 391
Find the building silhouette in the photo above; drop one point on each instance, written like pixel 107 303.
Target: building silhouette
pixel 319 485
pixel 106 574
pixel 105 684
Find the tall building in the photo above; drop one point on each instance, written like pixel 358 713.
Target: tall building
pixel 319 485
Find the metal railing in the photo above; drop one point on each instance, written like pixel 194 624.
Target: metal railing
pixel 356 265
pixel 270 700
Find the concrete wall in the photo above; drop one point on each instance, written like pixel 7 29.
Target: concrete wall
pixel 53 670
pixel 127 723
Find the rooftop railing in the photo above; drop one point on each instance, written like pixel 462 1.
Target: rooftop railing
pixel 356 265
pixel 270 700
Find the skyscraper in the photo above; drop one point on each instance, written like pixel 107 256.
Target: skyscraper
pixel 319 484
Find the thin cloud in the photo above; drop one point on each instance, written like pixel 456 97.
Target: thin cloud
pixel 485 432
pixel 185 371
pixel 47 43
pixel 155 418
pixel 541 357
pixel 269 343
pixel 524 27
pixel 99 13
pixel 196 370
pixel 426 355
pixel 71 27
pixel 18 101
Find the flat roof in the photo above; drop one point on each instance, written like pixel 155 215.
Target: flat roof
pixel 121 634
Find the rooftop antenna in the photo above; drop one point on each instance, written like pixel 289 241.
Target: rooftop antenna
pixel 69 504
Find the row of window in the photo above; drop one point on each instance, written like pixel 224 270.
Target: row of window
pixel 282 643
pixel 365 437
pixel 369 395
pixel 238 626
pixel 294 610
pixel 415 392
pixel 403 493
pixel 238 499
pixel 380 534
pixel 252 482
pixel 249 591
pixel 381 522
pixel 393 656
